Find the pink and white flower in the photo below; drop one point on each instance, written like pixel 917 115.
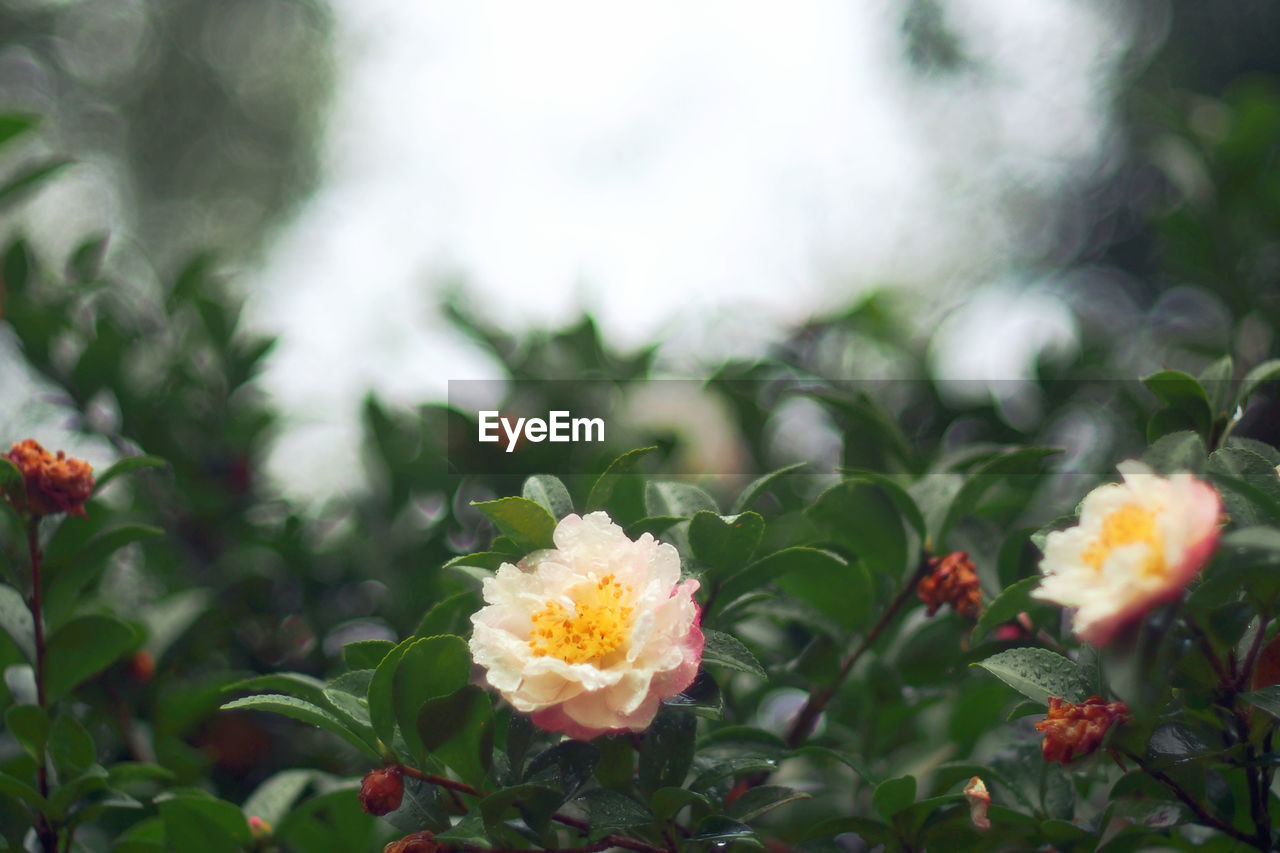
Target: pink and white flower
pixel 1138 544
pixel 589 637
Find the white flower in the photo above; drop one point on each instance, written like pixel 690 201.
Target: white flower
pixel 1137 546
pixel 591 636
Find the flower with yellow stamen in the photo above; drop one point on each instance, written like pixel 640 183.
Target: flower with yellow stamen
pixel 589 637
pixel 1137 546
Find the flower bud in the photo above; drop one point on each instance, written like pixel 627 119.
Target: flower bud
pixel 142 667
pixel 979 801
pixel 419 842
pixel 53 483
pixel 382 790
pixel 952 580
pixel 1072 731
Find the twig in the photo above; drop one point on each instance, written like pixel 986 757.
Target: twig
pixel 44 830
pixel 1200 812
pixel 818 699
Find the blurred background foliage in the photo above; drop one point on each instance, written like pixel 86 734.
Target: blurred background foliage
pixel 194 123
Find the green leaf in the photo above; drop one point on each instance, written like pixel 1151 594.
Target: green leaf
pixel 15 619
pixel 1039 674
pixel 11 482
pixel 1249 485
pixel 760 486
pixel 549 493
pixel 679 500
pixel 195 823
pixel 725 542
pixel 382 709
pixel 1020 462
pixel 126 465
pixel 85 263
pixel 666 802
pixel 770 568
pixel 487 560
pixel 610 811
pixel 169 618
pixel 1268 699
pixel 667 752
pixel 29 178
pixel 429 668
pixel 860 518
pixel 307 712
pixel 756 801
pixel 81 649
pixel 1006 606
pixel 1177 451
pixel 71 746
pixel 568 764
pixel 526 523
pixel 292 683
pixel 845 596
pixel 458 730
pixel 20 790
pixel 451 615
pixel 1185 401
pixel 347 696
pixel 29 725
pixel 728 651
pixel 272 799
pixel 894 490
pixel 1216 382
pixel 1254 379
pixel 366 654
pixel 722 830
pixel 603 488
pixel 13 125
pixel 894 795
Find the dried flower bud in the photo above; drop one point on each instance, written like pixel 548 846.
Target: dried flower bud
pixel 1072 731
pixel 979 801
pixel 259 828
pixel 952 580
pixel 53 483
pixel 381 790
pixel 419 842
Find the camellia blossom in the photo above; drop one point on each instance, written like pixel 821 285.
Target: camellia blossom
pixel 1137 546
pixel 589 637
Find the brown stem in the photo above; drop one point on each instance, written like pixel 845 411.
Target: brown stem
pixel 818 698
pixel 45 832
pixel 1200 812
pixel 624 841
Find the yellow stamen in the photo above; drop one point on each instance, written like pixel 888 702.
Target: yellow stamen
pixel 598 625
pixel 1127 525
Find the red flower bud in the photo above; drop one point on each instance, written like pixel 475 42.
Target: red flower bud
pixel 1072 731
pixel 53 483
pixel 952 580
pixel 382 790
pixel 142 667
